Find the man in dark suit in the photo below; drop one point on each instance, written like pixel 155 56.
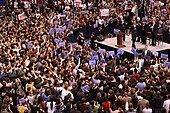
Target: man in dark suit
pixel 134 34
pixel 147 56
pixel 146 53
pixel 154 31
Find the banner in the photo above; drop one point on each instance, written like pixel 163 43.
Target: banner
pixel 2 2
pixel 92 62
pixel 77 3
pixel 21 16
pixel 104 12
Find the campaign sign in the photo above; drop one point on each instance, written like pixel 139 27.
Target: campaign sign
pixel 104 12
pixel 164 56
pixel 73 45
pixel 51 31
pixel 102 60
pixel 111 53
pixel 120 51
pixel 167 64
pixel 62 44
pixel 77 3
pixel 96 57
pixel 94 52
pixel 155 53
pixel 101 51
pixel 116 31
pixel 92 62
pixel 21 16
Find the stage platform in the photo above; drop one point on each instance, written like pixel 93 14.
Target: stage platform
pixel 111 42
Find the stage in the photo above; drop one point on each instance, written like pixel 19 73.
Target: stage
pixel 111 42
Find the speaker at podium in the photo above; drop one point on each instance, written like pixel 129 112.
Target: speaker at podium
pixel 119 34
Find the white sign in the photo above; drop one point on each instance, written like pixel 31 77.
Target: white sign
pixel 104 12
pixel 77 3
pixel 21 16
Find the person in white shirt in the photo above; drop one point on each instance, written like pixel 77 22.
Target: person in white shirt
pixel 147 109
pixel 65 92
pixel 166 104
pixel 51 106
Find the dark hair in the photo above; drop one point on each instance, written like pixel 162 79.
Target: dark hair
pixel 51 104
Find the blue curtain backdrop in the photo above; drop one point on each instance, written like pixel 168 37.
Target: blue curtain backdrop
pixel 2 2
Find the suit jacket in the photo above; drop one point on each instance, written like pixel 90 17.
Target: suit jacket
pixel 146 53
pixel 142 105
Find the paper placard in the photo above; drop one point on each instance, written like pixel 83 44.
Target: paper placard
pixel 51 31
pixel 21 16
pixel 101 51
pixel 77 3
pixel 167 64
pixel 120 51
pixel 86 43
pixel 96 57
pixel 155 53
pixel 104 12
pixel 102 60
pixel 92 62
pixel 74 45
pixel 111 53
pixel 56 40
pixel 116 31
pixel 62 44
pixel 94 52
pixel 164 56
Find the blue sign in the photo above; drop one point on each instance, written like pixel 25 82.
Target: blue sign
pixel 164 56
pixel 116 31
pixel 111 53
pixel 155 53
pixel 167 64
pixel 101 50
pixel 92 62
pixel 51 31
pixel 62 44
pixel 120 51
pixel 73 45
pixel 94 52
pixel 96 57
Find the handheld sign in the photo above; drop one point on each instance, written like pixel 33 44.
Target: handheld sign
pixel 167 64
pixel 104 12
pixel 56 40
pixel 134 52
pixel 116 31
pixel 164 56
pixel 120 51
pixel 155 53
pixel 101 51
pixel 73 45
pixel 111 53
pixel 62 44
pixel 96 57
pixel 102 60
pixel 94 52
pixel 92 62
pixel 51 31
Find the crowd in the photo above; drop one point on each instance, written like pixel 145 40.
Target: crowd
pixel 45 56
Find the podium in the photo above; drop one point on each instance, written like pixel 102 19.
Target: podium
pixel 120 40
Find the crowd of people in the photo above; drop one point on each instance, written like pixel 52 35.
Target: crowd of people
pixel 45 49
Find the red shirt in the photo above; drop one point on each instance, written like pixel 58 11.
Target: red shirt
pixel 136 76
pixel 106 105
